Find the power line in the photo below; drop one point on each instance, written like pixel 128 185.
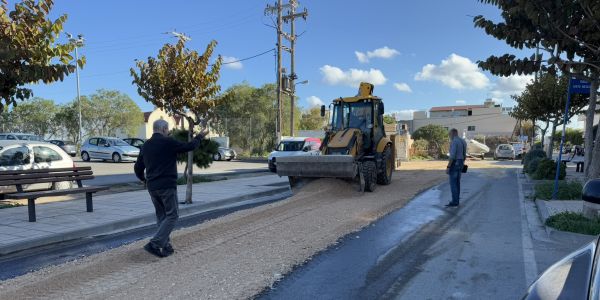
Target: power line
pixel 250 57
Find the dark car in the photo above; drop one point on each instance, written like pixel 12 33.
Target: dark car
pixel 68 147
pixel 135 142
pixel 577 276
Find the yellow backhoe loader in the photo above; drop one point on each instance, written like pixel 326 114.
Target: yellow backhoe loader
pixel 355 145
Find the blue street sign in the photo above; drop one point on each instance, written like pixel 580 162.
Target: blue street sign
pixel 578 86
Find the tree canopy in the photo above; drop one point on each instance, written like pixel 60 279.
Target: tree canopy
pixel 29 51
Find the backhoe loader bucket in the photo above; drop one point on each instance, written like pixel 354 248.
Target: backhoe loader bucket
pixel 333 166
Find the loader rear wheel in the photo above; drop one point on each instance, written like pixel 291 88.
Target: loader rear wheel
pixel 369 170
pixel 384 177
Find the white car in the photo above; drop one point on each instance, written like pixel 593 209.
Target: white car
pixel 26 155
pixel 294 146
pixel 504 151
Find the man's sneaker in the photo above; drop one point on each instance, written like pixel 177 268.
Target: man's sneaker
pixel 168 250
pixel 452 205
pixel 150 248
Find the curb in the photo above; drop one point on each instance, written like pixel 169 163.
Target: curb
pixel 138 222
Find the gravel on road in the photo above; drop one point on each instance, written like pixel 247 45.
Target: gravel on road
pixel 232 257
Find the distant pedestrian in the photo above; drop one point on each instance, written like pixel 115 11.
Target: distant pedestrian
pixel 456 161
pixel 158 158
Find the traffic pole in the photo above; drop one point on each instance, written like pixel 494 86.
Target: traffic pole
pixel 562 141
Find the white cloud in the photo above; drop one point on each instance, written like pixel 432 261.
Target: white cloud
pixel 456 72
pixel 461 102
pixel 404 114
pixel 352 77
pixel 504 87
pixel 403 87
pixel 384 52
pixel 314 101
pixel 232 63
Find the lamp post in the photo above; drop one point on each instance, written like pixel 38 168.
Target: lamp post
pixel 292 95
pixel 77 42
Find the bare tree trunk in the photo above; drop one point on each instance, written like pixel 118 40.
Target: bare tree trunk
pixel 190 167
pixel 551 141
pixel 589 130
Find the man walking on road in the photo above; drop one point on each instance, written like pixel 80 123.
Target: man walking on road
pixel 456 161
pixel 158 158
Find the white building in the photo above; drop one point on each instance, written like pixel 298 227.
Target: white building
pixel 489 119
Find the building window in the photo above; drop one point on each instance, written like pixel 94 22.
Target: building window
pixel 471 128
pixel 470 113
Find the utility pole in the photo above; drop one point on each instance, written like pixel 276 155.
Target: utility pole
pixel 292 15
pixel 77 43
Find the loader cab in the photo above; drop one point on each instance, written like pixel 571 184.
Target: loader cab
pixel 365 115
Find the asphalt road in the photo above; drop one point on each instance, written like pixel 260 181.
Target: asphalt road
pixel 486 249
pixel 109 173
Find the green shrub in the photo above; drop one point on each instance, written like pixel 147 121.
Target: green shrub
pixel 574 222
pixel 9 205
pixel 547 170
pixel 570 190
pixel 533 154
pixel 532 165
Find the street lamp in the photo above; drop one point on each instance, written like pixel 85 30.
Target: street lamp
pixel 77 42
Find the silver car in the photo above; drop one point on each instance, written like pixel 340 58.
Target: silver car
pixel 225 154
pixel 20 137
pixel 506 151
pixel 108 148
pixel 69 147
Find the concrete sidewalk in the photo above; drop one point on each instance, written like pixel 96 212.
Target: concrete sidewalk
pixel 68 220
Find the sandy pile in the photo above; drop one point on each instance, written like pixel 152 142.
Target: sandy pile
pixel 232 257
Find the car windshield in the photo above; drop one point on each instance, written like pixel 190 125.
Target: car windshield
pixel 504 147
pixel 352 115
pixel 290 146
pixel 117 143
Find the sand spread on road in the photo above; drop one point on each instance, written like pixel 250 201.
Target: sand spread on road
pixel 232 257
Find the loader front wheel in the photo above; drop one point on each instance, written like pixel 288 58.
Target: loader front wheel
pixel 384 177
pixel 369 170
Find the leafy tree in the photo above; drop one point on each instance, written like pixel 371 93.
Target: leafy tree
pixel 311 119
pixel 29 51
pixel 567 31
pixel 572 136
pixel 182 82
pixel 544 100
pixel 110 112
pixel 67 116
pixel 36 116
pixel 388 119
pixel 435 135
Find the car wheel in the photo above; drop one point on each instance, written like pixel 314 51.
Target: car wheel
pixel 116 157
pixel 217 156
pixel 85 156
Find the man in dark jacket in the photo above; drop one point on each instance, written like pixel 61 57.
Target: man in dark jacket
pixel 158 157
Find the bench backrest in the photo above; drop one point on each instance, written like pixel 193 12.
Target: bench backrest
pixel 23 177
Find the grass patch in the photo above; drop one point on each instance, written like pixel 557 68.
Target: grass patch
pixel 420 157
pixel 570 190
pixel 9 205
pixel 199 179
pixel 574 222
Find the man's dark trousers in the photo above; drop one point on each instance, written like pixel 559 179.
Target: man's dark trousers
pixel 167 212
pixel 454 175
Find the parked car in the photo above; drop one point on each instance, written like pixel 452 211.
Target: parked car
pixel 67 146
pixel 576 276
pixel 225 154
pixel 108 148
pixel 520 148
pixel 504 151
pixel 20 137
pixel 20 155
pixel 135 142
pixel 27 155
pixel 294 146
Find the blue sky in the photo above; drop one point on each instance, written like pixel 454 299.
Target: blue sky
pixel 420 53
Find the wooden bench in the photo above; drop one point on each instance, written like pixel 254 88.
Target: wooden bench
pixel 27 177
